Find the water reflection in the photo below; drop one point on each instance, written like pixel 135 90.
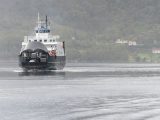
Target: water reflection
pixel 71 74
pixel 42 73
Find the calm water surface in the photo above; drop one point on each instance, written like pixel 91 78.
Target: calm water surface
pixel 87 91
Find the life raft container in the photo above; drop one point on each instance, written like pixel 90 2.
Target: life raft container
pixel 52 53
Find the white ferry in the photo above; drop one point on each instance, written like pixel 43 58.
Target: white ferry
pixel 42 50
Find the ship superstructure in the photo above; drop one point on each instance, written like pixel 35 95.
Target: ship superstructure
pixel 42 50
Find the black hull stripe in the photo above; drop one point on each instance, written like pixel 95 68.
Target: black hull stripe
pixel 53 63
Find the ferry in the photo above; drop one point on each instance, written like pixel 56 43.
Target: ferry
pixel 42 50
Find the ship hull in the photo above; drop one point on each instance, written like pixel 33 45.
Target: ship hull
pixel 52 63
pixel 42 51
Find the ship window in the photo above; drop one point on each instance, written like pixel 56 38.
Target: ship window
pixel 45 40
pixel 53 40
pixel 29 40
pixel 35 40
pixel 40 40
pixel 50 40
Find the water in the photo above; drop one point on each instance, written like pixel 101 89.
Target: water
pixel 81 92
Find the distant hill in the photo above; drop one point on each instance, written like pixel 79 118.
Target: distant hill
pixel 89 27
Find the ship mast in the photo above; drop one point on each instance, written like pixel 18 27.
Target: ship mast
pixel 38 17
pixel 38 22
pixel 46 22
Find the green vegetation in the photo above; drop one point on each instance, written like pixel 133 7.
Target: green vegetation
pixel 89 27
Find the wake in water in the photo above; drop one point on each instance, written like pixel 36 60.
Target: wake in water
pixel 113 108
pixel 92 70
pixel 81 92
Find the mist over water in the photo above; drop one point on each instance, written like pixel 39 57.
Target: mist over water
pixel 90 91
pixel 93 30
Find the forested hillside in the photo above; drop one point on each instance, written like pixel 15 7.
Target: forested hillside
pixel 89 27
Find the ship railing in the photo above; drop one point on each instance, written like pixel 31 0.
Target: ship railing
pixel 26 38
pixel 53 37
